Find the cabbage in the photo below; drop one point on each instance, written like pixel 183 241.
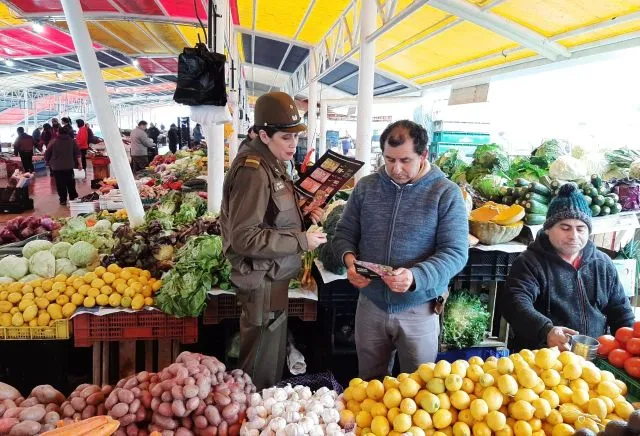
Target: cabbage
pixel 115 226
pixel 567 168
pixel 550 151
pixel 60 249
pixel 634 170
pixel 65 266
pixel 29 278
pixel 43 263
pixel 82 254
pixel 14 267
pixel 33 247
pixel 489 185
pixel 4 280
pixel 103 225
pixel 491 156
pixel 80 272
pixel 76 223
pixel 451 161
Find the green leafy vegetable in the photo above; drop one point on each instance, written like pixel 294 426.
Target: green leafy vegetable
pixel 548 152
pixel 523 168
pixel 200 266
pixel 326 255
pixel 489 185
pixel 451 162
pixel 492 157
pixel 465 320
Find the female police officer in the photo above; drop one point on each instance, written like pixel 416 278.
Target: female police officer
pixel 264 235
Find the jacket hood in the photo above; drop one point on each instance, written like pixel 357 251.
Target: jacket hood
pixel 542 245
pixel 432 175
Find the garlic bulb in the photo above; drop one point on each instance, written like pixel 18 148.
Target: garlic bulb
pixel 255 400
pixel 293 406
pixel 268 403
pixel 307 424
pixel 323 390
pixel 291 417
pixel 330 416
pixel 277 423
pixel 327 400
pixel 317 431
pixel 305 393
pixel 267 432
pixel 280 394
pixel 294 429
pixel 278 409
pixel 333 429
pixel 288 389
pixel 267 393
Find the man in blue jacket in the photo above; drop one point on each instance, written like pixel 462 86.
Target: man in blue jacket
pixel 562 284
pixel 408 216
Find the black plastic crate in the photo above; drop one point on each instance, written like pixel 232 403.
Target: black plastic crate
pixel 339 292
pixel 15 200
pixel 486 266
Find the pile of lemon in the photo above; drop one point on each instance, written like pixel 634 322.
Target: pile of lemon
pixel 42 301
pixel 531 393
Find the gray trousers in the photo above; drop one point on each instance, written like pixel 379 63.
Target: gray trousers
pixel 412 335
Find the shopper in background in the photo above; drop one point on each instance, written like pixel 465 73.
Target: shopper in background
pixel 55 126
pixel 140 145
pixel 36 137
pixel 66 121
pixel 62 156
pixel 174 138
pixel 47 135
pixel 153 133
pixel 264 235
pixel 410 217
pixel 562 285
pixel 197 134
pixel 23 146
pixel 83 140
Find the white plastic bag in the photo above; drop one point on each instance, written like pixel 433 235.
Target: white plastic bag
pixel 78 174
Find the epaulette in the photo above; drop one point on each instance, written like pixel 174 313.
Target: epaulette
pixel 252 161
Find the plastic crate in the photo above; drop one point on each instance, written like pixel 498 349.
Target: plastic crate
pixel 145 325
pixel 633 385
pixel 487 266
pixel 225 306
pixel 59 330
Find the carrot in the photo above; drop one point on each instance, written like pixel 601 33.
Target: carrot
pixel 80 427
pixel 91 222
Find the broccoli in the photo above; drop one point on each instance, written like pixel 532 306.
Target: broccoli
pixel 329 259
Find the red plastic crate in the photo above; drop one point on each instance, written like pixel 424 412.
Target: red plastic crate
pixel 145 325
pixel 225 306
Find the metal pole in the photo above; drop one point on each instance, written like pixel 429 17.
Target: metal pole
pixel 215 133
pixel 312 108
pixel 26 111
pixel 365 86
pixel 235 98
pixel 322 147
pixel 104 112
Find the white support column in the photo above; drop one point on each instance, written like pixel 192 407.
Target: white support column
pixel 104 112
pixel 322 148
pixel 365 86
pixel 215 134
pixel 312 108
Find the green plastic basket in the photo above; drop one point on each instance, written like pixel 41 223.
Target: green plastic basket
pixel 633 385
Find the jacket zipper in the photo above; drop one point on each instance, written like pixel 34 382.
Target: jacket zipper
pixel 582 304
pixel 396 206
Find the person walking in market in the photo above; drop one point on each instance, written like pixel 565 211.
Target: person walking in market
pixel 47 135
pixel 153 133
pixel 36 136
pixel 62 156
pixel 197 134
pixel 264 235
pixel 174 138
pixel 410 217
pixel 562 284
pixel 140 144
pixel 83 140
pixel 23 146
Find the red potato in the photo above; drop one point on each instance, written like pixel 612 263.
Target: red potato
pixel 25 428
pixel 200 422
pixel 156 390
pixel 166 397
pixel 190 381
pixel 213 415
pixel 134 406
pixel 2 409
pixel 176 392
pixel 231 412
pixel 46 394
pixel 143 376
pixel 7 423
pixel 95 398
pixel 200 409
pixel 192 404
pixel 8 392
pixel 132 430
pixel 221 399
pixel 127 419
pixel 178 408
pixel 29 402
pixel 138 390
pixel 209 431
pixel 47 427
pixel 238 397
pixel 52 407
pixel 68 410
pixel 164 409
pixel 164 422
pixel 183 432
pixel 111 400
pixel 89 390
pixel 107 389
pixel 89 412
pixel 76 416
pixel 125 396
pixel 19 401
pixel 78 404
pixel 34 413
pixel 141 414
pixel 119 410
pixel 187 422
pixel 155 403
pixel 13 413
pixel 190 391
pixel 101 410
pixel 234 430
pixel 223 428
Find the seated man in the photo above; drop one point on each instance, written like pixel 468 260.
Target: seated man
pixel 562 284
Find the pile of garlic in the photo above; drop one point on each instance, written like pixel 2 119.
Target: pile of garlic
pixel 294 411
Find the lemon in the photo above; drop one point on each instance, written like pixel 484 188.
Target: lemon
pixel 486 380
pixel 363 419
pixel 522 428
pixel 493 398
pixel 89 302
pixel 597 407
pixel 564 393
pixel 375 390
pixel 562 430
pixel 527 377
pixel 460 400
pixel 436 386
pixel 359 392
pixel 461 429
pixel 402 422
pixel 572 371
pixel 453 382
pixel 408 406
pixel 580 397
pixel 391 398
pixel 496 421
pixel 624 410
pixel 422 419
pixel 591 375
pixel 393 413
pixel 609 402
pixel 604 375
pixel 402 376
pixel 481 429
pixel 569 412
pixel 416 431
pixel 380 426
pixel 555 417
pixel 347 418
pixel 409 387
pixel 542 408
pixel 522 410
pixel 552 398
pixel 475 360
pixel 525 394
pixel 622 386
pixel 474 372
pixel 466 417
pixel 479 409
pixel 608 389
pixel 506 431
pixel 99 271
pixel 579 385
pixel 367 404
pixel 114 300
pixel 430 403
pixel 441 419
pixel 442 369
pixel 425 371
pixel 467 385
pixel 378 409
pixel 545 358
pixel 507 384
pixel 584 422
pixel 445 403
pixel 459 367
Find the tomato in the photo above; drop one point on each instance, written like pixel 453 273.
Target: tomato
pixel 607 343
pixel 618 357
pixel 636 329
pixel 633 346
pixel 632 366
pixel 624 334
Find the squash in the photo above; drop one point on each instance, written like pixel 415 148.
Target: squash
pixel 511 215
pixel 492 234
pixel 487 212
pixel 468 201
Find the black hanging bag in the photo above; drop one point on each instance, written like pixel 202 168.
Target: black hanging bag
pixel 201 77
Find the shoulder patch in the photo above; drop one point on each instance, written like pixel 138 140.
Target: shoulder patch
pixel 252 161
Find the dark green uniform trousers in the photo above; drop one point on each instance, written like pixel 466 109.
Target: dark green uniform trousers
pixel 263 332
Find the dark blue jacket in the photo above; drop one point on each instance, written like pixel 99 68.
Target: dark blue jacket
pixel 543 291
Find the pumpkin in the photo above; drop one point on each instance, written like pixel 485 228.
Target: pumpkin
pixel 468 201
pixel 509 216
pixel 487 212
pixel 492 234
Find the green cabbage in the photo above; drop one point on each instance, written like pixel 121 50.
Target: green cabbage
pixel 33 247
pixel 29 278
pixel 14 267
pixel 65 266
pixel 5 280
pixel 43 263
pixel 60 250
pixel 492 157
pixel 82 254
pixel 102 225
pixel 489 185
pixel 451 162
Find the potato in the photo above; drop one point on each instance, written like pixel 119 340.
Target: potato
pixel 134 406
pixel 89 412
pixel 101 410
pixel 176 392
pixel 192 404
pixel 125 396
pixel 131 383
pixel 119 410
pixel 190 391
pixel 166 397
pixel 234 430
pixel 164 409
pixel 89 390
pixel 143 376
pixel 68 411
pixel 221 399
pixel 78 404
pixel 132 430
pixel 238 397
pixel 155 403
pixel 213 415
pixel 163 422
pixel 146 398
pixel 8 392
pixel 231 411
pixel 34 413
pixel 112 399
pixel 183 432
pixel 223 429
pixel 31 401
pixel 13 413
pixel 127 419
pixel 25 428
pixel 47 394
pixel 107 389
pixel 156 390
pixel 178 408
pixel 95 398
pixel 7 423
pixel 200 422
pixel 52 407
pixel 141 414
pixel 137 391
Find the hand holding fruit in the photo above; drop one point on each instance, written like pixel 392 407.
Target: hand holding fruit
pixel 400 281
pixel 559 337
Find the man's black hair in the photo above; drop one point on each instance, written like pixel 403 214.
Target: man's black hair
pixel 142 123
pixel 20 130
pixel 397 134
pixel 80 123
pixel 66 130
